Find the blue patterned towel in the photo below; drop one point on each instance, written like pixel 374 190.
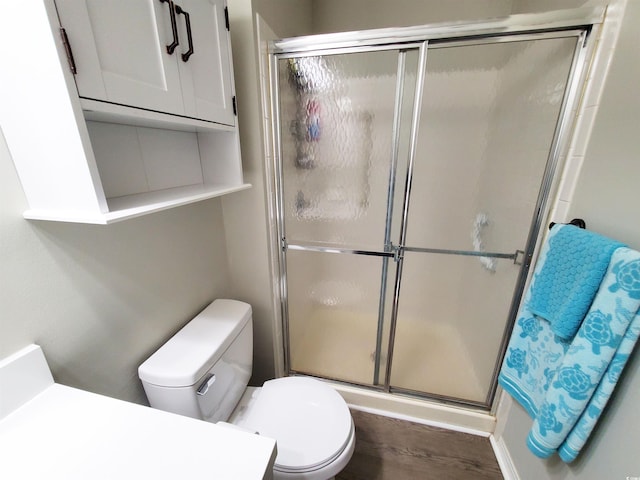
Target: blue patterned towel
pixel 565 384
pixel 566 285
pixel 584 426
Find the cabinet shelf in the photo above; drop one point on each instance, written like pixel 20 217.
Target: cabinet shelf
pixel 100 111
pixel 131 206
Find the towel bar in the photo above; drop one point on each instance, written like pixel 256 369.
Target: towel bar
pixel 578 222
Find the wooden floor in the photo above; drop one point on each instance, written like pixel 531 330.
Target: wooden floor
pixel 391 449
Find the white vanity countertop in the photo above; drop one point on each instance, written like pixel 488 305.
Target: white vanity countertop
pixel 67 434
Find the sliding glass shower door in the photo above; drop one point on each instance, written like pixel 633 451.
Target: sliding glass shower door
pixel 488 117
pixel 410 183
pixel 338 142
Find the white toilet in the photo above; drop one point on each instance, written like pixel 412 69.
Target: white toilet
pixel 203 371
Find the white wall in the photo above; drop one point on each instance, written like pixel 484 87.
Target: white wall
pixel 246 214
pixel 607 197
pixel 100 299
pixel 287 18
pixel 348 15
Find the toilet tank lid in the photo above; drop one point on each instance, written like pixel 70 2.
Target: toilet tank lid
pixel 191 352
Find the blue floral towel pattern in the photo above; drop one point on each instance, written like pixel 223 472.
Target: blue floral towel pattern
pixel 565 384
pixel 567 283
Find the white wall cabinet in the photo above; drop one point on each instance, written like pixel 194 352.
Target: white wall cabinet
pixel 207 77
pixel 136 129
pixel 151 54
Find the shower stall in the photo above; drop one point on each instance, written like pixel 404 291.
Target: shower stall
pixel 412 174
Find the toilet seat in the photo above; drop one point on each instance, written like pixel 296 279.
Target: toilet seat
pixel 309 420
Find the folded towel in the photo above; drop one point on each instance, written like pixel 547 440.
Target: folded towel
pixel 590 354
pixel 534 351
pixel 567 283
pixel 564 384
pixel 578 436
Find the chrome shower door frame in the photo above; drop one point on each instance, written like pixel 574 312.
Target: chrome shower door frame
pixel 515 28
pixel 389 252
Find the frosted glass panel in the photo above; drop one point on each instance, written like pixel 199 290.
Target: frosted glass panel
pixel 451 316
pixel 333 314
pixel 336 123
pixel 488 117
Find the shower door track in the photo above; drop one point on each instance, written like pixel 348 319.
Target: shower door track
pixel 541 26
pixel 514 25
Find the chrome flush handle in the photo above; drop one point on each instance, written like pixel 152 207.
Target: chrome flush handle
pixel 204 386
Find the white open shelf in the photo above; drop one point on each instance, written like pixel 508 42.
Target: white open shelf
pixel 131 206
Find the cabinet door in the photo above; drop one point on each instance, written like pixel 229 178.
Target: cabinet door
pixel 206 76
pixel 119 47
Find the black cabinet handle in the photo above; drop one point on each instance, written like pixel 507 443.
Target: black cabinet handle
pixel 187 21
pixel 174 28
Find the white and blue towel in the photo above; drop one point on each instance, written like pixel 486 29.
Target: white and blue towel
pixel 565 383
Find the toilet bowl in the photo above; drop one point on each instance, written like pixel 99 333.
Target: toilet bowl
pixel 203 372
pixel 310 421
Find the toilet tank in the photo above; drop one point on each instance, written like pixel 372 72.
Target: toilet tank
pixel 203 370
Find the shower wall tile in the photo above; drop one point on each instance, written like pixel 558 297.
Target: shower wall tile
pixel 597 75
pixel 560 212
pixel 265 34
pixel 582 131
pixel 267 131
pixel 599 68
pixel 570 177
pixel 265 86
pixel 278 343
pixel 611 29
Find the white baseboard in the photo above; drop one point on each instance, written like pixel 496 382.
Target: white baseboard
pixel 419 411
pixel 501 451
pixel 422 421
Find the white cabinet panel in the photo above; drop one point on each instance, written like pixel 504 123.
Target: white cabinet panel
pixel 206 75
pixel 134 160
pixel 171 158
pixel 119 48
pixel 120 52
pixel 117 152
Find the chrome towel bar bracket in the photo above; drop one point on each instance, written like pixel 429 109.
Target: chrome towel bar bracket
pixel 578 222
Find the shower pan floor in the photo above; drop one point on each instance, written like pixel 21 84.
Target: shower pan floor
pixel 428 357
